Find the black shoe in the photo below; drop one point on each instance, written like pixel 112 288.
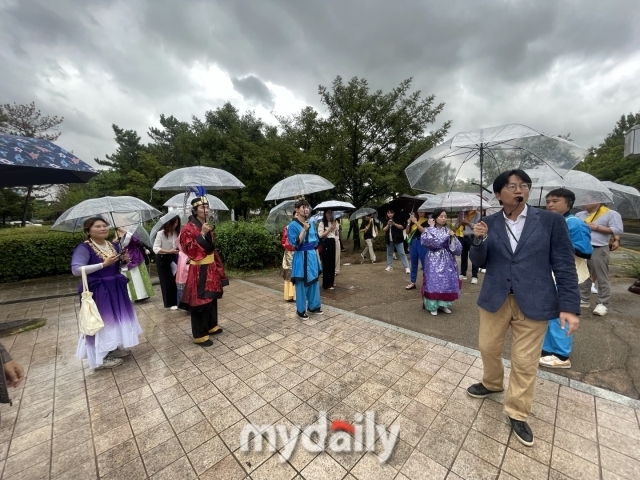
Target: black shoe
pixel 303 315
pixel 523 432
pixel 206 343
pixel 317 311
pixel 478 390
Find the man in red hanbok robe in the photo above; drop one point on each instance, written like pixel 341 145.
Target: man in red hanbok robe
pixel 206 273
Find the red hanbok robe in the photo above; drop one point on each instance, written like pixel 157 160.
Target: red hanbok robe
pixel 206 277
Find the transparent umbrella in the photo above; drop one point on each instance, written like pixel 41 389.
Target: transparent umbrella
pixel 334 205
pixel 455 200
pixel 198 176
pixel 118 211
pixel 485 153
pixel 362 212
pixel 280 216
pixel 297 185
pixel 166 218
pixel 587 188
pixel 626 199
pixel 179 201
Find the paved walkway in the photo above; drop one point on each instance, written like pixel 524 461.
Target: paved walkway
pixel 175 410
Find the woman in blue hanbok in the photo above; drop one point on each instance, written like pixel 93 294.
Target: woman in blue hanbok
pixel 441 285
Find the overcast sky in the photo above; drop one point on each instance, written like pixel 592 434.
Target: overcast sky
pixel 557 66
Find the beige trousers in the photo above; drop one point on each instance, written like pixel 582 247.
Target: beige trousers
pixel 526 345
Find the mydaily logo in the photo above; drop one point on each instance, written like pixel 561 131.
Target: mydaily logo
pixel 342 436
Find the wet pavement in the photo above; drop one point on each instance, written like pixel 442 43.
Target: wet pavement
pixel 174 410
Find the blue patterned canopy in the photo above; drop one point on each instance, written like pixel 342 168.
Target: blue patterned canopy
pixel 32 161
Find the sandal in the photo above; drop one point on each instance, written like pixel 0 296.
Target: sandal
pixel 411 286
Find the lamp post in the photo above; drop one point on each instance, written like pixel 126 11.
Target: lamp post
pixel 632 142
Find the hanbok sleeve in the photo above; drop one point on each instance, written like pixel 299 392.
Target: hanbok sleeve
pixel 80 258
pixel 455 246
pixel 293 232
pixel 431 238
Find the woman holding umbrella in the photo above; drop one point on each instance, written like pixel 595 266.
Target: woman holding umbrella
pixel 140 286
pixel 165 246
pixel 328 231
pixel 206 273
pixel 441 285
pixel 101 261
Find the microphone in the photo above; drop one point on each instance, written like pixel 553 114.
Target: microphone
pixel 520 200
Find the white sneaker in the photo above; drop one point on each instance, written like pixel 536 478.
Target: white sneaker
pixel 483 270
pixel 474 280
pixel 175 307
pixel 433 312
pixel 388 269
pixel 551 361
pixel 462 277
pixel 445 309
pixel 600 310
pixel 593 288
pixel 110 363
pixel 407 271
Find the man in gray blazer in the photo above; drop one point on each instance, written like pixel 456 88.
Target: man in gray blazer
pixel 522 248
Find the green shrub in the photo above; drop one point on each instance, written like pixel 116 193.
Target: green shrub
pixel 632 266
pixel 248 245
pixel 30 255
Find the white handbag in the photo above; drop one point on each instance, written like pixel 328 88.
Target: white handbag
pixel 89 317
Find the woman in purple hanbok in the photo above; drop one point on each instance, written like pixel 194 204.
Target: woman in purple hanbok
pixel 441 285
pixel 101 261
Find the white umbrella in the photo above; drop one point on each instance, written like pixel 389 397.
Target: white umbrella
pixel 455 200
pixel 120 211
pixel 587 188
pixel 626 199
pixel 178 201
pixel 362 212
pixel 279 216
pixel 198 176
pixel 298 185
pixel 334 205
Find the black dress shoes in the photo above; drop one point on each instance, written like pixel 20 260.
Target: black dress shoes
pixel 478 390
pixel 523 432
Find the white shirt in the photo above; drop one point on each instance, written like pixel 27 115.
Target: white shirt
pixel 515 227
pixel 321 229
pixel 164 243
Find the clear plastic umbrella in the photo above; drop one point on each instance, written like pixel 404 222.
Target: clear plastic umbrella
pixel 298 185
pixel 118 211
pixel 280 216
pixel 626 199
pixel 318 216
pixel 334 205
pixel 167 217
pixel 362 212
pixel 587 188
pixel 487 152
pixel 198 176
pixel 455 200
pixel 178 201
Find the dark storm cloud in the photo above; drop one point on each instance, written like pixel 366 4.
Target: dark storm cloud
pixel 254 90
pixel 492 62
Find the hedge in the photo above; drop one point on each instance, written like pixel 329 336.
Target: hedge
pixel 248 245
pixel 28 255
pixel 243 245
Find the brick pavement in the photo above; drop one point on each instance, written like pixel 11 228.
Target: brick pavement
pixel 174 410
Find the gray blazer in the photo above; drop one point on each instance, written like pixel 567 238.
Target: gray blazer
pixel 544 247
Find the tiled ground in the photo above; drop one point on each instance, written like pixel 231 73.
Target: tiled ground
pixel 174 410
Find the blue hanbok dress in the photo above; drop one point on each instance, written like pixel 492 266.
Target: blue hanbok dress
pixel 305 266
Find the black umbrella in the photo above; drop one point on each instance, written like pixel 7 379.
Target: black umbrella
pixel 402 206
pixel 25 162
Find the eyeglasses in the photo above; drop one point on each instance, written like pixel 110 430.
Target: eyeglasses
pixel 512 187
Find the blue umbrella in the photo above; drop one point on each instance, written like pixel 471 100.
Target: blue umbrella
pixel 28 161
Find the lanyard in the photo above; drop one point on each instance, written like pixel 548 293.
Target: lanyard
pixel 511 232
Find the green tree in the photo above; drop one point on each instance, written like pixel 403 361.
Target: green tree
pixel 369 138
pixel 607 162
pixel 10 204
